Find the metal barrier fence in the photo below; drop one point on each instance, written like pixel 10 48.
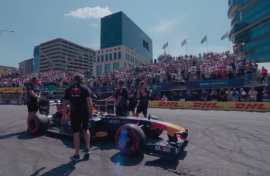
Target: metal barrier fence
pixel 10 96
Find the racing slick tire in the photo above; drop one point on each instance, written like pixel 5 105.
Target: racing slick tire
pixel 156 132
pixel 38 124
pixel 130 139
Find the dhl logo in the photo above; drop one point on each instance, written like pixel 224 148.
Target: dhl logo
pixel 169 104
pixel 249 106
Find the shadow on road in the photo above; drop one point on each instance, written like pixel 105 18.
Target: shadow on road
pixel 126 160
pixel 64 169
pixel 167 164
pixel 24 135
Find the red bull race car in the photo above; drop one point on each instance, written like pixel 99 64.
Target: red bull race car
pixel 131 134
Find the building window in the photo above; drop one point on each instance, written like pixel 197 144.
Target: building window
pixel 119 55
pixel 110 49
pixel 115 49
pixel 98 52
pixel 99 70
pixel 119 48
pixel 107 68
pixel 116 66
pixel 101 51
pixel 102 58
pixel 106 57
pixel 98 59
pixel 106 50
pixel 110 57
pixel 114 56
pixel 126 56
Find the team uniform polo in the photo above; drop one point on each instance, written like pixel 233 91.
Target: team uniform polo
pixel 132 101
pixel 143 105
pixel 32 104
pixel 121 108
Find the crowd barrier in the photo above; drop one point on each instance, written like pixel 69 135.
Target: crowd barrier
pixel 233 106
pixel 10 102
pixel 219 83
pixel 5 90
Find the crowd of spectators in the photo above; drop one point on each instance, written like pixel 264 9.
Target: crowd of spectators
pixel 185 68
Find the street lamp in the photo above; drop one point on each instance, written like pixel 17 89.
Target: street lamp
pixel 6 31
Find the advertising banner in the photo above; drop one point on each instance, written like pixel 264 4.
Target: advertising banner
pixel 11 90
pixel 48 88
pixel 10 102
pixel 161 86
pixel 103 89
pixel 219 83
pixel 243 106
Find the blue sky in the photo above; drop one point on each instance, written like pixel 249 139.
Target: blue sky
pixel 37 21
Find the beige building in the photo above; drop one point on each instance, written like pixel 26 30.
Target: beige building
pixel 26 66
pixel 109 59
pixel 51 56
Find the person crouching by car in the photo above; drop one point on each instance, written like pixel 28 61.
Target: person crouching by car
pixel 121 97
pixel 81 111
pixel 132 99
pixel 143 95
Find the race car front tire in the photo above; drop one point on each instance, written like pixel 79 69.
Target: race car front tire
pixel 38 124
pixel 130 139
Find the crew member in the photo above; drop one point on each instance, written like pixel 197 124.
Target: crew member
pixel 32 97
pixel 143 95
pixel 121 97
pixel 81 111
pixel 132 98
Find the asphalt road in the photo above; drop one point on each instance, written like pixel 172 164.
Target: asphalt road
pixel 220 143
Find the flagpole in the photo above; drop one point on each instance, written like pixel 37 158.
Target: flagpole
pixel 168 48
pixel 228 42
pixel 186 47
pixel 207 42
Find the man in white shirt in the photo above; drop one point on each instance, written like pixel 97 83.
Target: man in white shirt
pixel 253 95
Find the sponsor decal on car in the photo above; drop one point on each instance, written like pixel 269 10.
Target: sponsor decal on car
pixel 162 149
pixel 101 134
pixel 177 150
pixel 162 143
pixel 115 121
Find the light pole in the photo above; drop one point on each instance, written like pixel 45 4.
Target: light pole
pixel 6 31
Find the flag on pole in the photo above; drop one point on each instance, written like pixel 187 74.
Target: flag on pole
pixel 165 45
pixel 184 42
pixel 148 48
pixel 50 61
pixel 134 50
pixel 66 57
pixel 225 36
pixel 204 39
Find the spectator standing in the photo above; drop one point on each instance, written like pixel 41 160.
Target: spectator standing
pixel 188 95
pixel 222 95
pixel 213 95
pixel 204 95
pixel 164 98
pixel 253 95
pixel 235 95
pixel 265 95
pixel 264 74
pixel 249 73
pixel 229 95
pixel 242 95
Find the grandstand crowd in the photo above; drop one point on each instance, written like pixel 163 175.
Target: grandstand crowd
pixel 179 70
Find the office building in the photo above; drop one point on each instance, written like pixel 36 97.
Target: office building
pixel 122 43
pixel 26 66
pixel 250 28
pixel 51 56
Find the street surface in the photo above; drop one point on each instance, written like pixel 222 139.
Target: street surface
pixel 220 143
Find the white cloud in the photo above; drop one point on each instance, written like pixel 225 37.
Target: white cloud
pixel 165 25
pixel 88 12
pixel 94 25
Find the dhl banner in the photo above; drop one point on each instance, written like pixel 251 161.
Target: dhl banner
pixel 11 90
pixel 243 106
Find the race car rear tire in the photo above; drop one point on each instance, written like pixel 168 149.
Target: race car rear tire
pixel 38 124
pixel 154 133
pixel 130 139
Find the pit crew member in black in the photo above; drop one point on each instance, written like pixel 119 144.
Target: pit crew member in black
pixel 81 110
pixel 121 96
pixel 143 95
pixel 132 100
pixel 32 97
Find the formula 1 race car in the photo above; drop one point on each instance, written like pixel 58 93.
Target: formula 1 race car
pixel 130 133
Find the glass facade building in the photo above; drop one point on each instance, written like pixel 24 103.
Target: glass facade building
pixel 250 28
pixel 117 29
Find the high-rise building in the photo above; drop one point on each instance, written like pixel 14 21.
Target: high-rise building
pixel 26 66
pixel 250 28
pixel 51 56
pixel 122 43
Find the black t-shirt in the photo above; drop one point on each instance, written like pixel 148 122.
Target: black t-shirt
pixel 134 98
pixel 77 95
pixel 124 93
pixel 35 89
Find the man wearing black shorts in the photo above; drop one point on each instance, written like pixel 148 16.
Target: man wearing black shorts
pixel 81 110
pixel 32 97
pixel 132 99
pixel 143 95
pixel 121 97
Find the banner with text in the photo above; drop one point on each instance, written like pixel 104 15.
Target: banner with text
pixel 10 102
pixel 11 90
pixel 218 83
pixel 47 88
pixel 244 106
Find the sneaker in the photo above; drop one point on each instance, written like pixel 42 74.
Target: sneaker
pixel 75 157
pixel 87 151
